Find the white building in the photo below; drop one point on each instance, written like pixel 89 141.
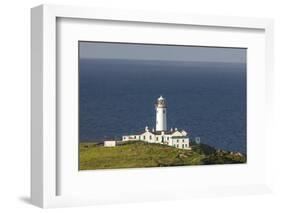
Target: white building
pixel 109 143
pixel 173 137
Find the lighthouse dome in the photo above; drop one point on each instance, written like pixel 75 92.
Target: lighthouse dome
pixel 161 98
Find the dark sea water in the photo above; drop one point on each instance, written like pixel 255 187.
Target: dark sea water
pixel 207 99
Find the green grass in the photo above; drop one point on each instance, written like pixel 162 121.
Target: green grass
pixel 140 154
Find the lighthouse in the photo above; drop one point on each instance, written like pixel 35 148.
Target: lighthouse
pixel 161 114
pixel 175 137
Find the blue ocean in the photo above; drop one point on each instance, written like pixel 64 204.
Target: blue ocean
pixel 207 99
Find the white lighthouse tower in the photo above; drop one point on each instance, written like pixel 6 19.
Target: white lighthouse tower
pixel 161 114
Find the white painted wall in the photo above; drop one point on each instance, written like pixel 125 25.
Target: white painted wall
pixel 15 106
pixel 148 136
pixel 161 114
pixel 181 143
pixel 109 143
pixel 161 119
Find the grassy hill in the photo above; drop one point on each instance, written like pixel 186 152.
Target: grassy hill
pixel 140 154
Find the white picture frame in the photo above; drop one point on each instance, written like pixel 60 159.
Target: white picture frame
pixel 44 148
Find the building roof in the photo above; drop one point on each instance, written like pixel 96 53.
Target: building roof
pixel 160 133
pixel 165 132
pixel 179 137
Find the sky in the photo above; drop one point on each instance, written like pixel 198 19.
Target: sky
pixel 129 51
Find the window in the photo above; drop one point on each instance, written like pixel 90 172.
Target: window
pixel 134 137
pixel 182 140
pixel 167 138
pixel 177 146
pixel 164 111
pixel 150 137
pixel 185 145
pixel 157 138
pixel 143 137
pixel 182 146
pixel 177 141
